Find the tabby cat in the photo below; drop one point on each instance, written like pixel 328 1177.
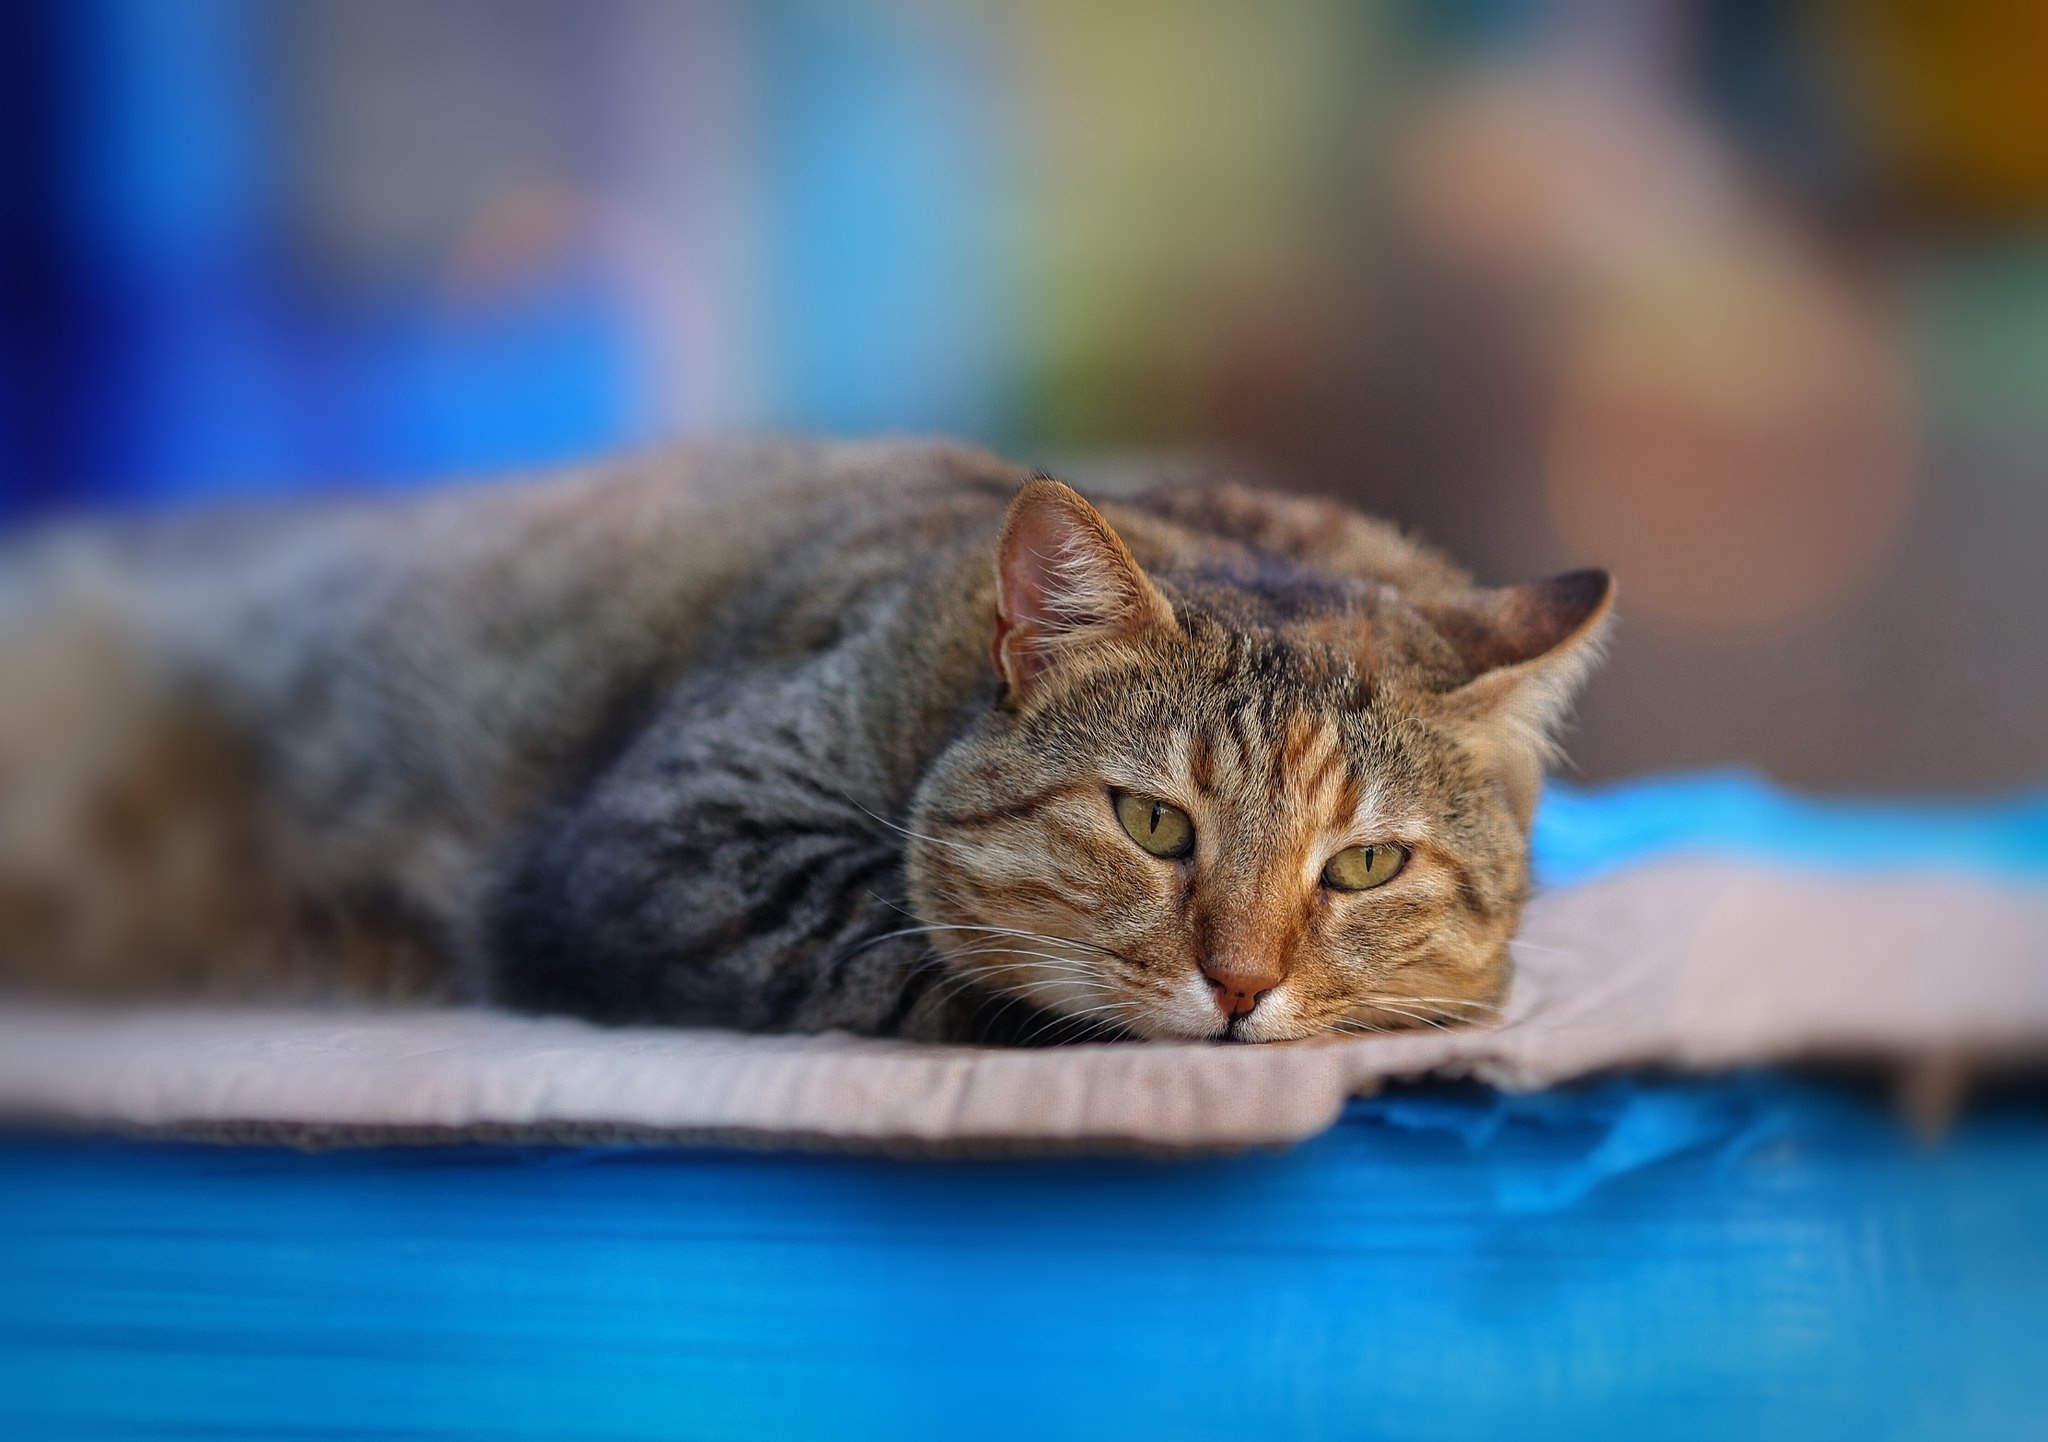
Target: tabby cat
pixel 897 739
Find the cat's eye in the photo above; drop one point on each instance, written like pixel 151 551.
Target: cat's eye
pixel 1161 829
pixel 1361 868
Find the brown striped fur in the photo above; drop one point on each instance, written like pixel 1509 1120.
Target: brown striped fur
pixel 777 736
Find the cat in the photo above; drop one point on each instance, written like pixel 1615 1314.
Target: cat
pixel 891 738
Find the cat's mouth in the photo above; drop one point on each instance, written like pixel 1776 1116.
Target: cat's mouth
pixel 1070 984
pixel 1189 1012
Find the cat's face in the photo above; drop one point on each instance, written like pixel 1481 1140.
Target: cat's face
pixel 1205 812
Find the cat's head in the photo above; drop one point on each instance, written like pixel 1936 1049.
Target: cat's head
pixel 1239 798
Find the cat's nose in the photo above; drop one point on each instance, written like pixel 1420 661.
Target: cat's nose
pixel 1238 982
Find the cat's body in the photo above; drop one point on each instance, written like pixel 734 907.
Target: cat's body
pixel 685 740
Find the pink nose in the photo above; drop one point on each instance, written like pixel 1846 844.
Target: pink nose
pixel 1238 982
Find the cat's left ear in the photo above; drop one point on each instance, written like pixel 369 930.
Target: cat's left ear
pixel 1064 580
pixel 1527 649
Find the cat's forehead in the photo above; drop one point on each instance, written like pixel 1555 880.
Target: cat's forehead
pixel 1295 758
pixel 1317 703
pixel 1338 636
pixel 1316 747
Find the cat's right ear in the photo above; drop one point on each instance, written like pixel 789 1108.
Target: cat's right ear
pixel 1527 648
pixel 1064 580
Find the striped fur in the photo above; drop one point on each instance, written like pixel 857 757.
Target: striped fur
pixel 786 737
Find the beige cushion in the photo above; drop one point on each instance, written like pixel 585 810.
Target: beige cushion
pixel 1682 963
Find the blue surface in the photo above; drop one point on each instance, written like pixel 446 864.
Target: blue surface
pixel 1751 1258
pixel 1585 832
pixel 1754 1255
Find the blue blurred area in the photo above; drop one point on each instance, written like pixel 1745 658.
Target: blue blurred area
pixel 175 344
pixel 1754 1257
pixel 883 308
pixel 179 324
pixel 1584 832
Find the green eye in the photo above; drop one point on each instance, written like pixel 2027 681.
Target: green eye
pixel 1361 868
pixel 1161 829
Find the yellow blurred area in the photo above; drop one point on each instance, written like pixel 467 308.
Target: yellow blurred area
pixel 1959 95
pixel 1179 168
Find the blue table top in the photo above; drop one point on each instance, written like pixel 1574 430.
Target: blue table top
pixel 1752 1256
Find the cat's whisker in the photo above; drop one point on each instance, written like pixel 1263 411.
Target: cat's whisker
pixel 1010 999
pixel 1026 935
pixel 1006 946
pixel 1524 944
pixel 1049 940
pixel 928 929
pixel 1471 1003
pixel 1350 1026
pixel 961 847
pixel 1081 975
pixel 968 978
pixel 1421 1018
pixel 992 930
pixel 1046 958
pixel 1392 1006
pixel 896 906
pixel 1063 975
pixel 1070 1021
pixel 1049 974
pixel 874 941
pixel 1057 1007
pixel 1437 1012
pixel 983 970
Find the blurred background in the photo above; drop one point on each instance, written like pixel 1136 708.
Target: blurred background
pixel 1748 301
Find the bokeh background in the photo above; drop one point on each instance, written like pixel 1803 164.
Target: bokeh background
pixel 1746 300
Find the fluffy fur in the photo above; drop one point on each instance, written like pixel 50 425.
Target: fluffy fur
pixel 780 737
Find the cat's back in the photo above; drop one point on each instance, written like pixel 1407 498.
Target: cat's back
pixel 356 702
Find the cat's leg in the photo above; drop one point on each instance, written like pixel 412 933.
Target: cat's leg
pixel 734 868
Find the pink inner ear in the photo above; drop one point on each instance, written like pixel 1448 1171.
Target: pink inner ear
pixel 1030 545
pixel 1044 553
pixel 1062 573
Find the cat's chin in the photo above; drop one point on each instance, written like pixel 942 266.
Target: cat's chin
pixel 1281 1025
pixel 1223 1035
pixel 1169 1035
